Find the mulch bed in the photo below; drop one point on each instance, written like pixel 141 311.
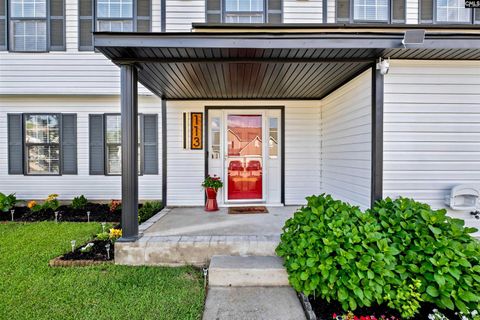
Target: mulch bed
pixel 98 213
pixel 96 255
pixel 247 210
pixel 324 310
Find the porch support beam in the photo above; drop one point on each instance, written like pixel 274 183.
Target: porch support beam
pixel 242 60
pixel 377 136
pixel 129 122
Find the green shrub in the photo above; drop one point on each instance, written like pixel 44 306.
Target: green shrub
pixel 400 253
pixel 79 203
pixel 148 210
pixel 7 202
pixel 436 249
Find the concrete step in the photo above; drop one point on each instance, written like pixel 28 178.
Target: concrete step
pixel 247 271
pixel 252 303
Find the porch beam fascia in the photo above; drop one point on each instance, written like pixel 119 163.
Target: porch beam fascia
pixel 377 136
pixel 280 41
pixel 241 60
pixel 129 130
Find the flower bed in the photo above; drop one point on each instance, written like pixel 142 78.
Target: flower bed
pixel 399 259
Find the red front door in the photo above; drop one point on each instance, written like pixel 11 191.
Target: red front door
pixel 244 157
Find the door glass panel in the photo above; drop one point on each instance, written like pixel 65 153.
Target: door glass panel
pixel 244 157
pixel 273 138
pixel 215 125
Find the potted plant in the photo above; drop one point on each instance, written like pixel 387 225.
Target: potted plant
pixel 211 185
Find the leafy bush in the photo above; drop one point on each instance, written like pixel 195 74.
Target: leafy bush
pixel 115 205
pixel 400 253
pixel 436 249
pixel 79 203
pixel 51 203
pixel 148 210
pixel 7 202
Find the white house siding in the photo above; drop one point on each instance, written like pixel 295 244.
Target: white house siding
pixel 331 9
pixel 301 11
pixel 432 129
pixel 185 168
pixel 182 13
pixel 346 142
pixel 68 186
pixel 412 11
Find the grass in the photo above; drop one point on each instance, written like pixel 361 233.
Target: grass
pixel 30 289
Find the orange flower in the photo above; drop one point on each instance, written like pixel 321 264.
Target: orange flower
pixel 31 204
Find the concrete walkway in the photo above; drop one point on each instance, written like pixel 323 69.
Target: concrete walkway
pixel 253 303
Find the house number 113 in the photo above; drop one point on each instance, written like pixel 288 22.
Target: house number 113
pixel 196 127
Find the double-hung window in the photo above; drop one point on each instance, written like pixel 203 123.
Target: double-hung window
pixel 32 25
pixel 42 144
pixel 28 23
pixel 244 11
pixel 106 144
pixel 447 12
pixel 371 10
pixel 115 15
pixel 112 16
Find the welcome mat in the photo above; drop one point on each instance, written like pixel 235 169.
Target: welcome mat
pixel 247 210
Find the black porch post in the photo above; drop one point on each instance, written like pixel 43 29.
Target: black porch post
pixel 377 135
pixel 129 111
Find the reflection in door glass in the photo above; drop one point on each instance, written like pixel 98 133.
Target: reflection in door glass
pixel 215 125
pixel 273 138
pixel 244 157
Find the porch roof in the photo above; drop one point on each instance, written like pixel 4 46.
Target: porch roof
pixel 271 63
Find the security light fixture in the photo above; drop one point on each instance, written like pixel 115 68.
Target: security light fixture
pixel 413 37
pixel 383 65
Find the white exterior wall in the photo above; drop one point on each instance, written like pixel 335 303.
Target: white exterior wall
pixel 346 142
pixel 432 129
pixel 412 11
pixel 331 11
pixel 185 168
pixel 302 11
pixel 94 187
pixel 182 13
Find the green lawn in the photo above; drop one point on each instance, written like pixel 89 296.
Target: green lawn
pixel 30 289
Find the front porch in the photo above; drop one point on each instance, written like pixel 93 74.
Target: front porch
pixel 189 235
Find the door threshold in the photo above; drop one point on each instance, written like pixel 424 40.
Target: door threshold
pixel 251 204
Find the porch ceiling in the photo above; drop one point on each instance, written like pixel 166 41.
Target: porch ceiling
pixel 209 65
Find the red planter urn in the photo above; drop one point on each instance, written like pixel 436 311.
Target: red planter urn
pixel 211 204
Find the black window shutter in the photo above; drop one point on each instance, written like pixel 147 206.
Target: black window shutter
pixel 426 11
pixel 398 11
pixel 214 11
pixel 150 144
pixel 477 16
pixel 3 25
pixel 96 144
pixel 15 143
pixel 274 11
pixel 85 21
pixel 343 11
pixel 57 25
pixel 144 16
pixel 69 143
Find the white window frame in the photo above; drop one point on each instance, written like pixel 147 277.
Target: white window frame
pixel 226 13
pixel 110 19
pixel 435 14
pixel 12 20
pixel 388 8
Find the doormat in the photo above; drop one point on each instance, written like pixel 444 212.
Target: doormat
pixel 247 210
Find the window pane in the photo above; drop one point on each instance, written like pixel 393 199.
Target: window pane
pixel 43 159
pixel 244 18
pixel 215 124
pixel 114 159
pixel 370 10
pixel 42 129
pixel 30 36
pixel 114 133
pixel 273 137
pixel 453 11
pixel 115 8
pixel 29 8
pixel 115 26
pixel 244 5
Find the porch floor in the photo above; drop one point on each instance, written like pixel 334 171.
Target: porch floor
pixel 196 222
pixel 182 235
